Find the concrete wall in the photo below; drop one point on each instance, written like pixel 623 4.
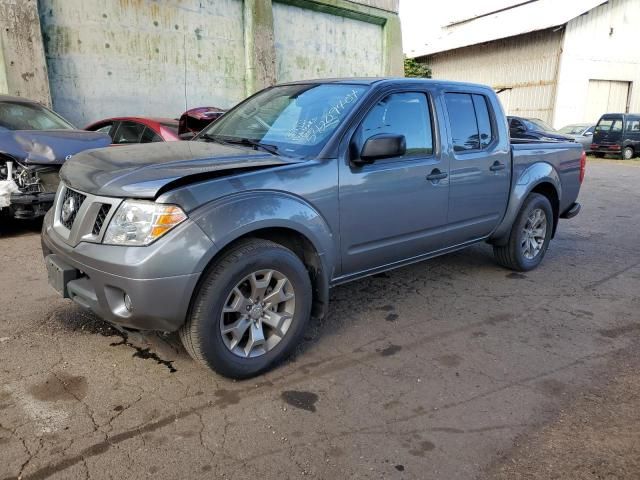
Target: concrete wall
pixel 23 71
pixel 313 44
pixel 601 45
pixel 157 58
pixel 139 58
pixel 525 67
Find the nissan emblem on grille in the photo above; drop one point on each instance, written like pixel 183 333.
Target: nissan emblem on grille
pixel 68 209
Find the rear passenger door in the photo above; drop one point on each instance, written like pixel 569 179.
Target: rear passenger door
pixel 480 167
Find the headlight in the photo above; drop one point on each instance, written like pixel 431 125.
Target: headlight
pixel 137 222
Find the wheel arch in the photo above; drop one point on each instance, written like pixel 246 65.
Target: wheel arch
pixel 284 219
pixel 542 178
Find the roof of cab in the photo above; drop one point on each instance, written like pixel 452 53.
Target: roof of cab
pixel 382 81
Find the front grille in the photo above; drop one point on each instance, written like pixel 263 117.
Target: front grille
pixel 100 218
pixel 71 203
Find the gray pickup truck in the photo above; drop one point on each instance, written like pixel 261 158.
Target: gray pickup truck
pixel 234 239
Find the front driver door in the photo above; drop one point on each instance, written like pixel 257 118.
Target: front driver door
pixel 393 209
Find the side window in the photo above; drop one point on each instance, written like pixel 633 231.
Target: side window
pixel 106 128
pixel 633 126
pixel 470 121
pixel 149 136
pixel 462 117
pixel 128 132
pixel 402 114
pixel 484 120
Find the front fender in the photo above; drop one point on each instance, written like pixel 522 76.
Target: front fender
pixel 531 177
pixel 229 218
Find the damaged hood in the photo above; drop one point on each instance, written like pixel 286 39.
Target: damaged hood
pixel 141 171
pixel 49 147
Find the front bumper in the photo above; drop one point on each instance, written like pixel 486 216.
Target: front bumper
pixel 31 205
pixel 159 279
pixel 611 149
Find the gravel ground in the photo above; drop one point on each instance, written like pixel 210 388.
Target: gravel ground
pixel 449 369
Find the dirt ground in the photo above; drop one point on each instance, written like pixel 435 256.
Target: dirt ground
pixel 449 369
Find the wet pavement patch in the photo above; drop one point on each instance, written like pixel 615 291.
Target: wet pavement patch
pixel 619 331
pixel 390 350
pixel 144 353
pixel 387 308
pixel 303 400
pixel 449 360
pixel 517 276
pixel 422 448
pixel 226 397
pixel 60 387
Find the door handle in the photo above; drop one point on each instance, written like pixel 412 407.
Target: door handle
pixel 497 166
pixel 436 175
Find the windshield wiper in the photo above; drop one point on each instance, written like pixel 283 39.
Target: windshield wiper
pixel 272 149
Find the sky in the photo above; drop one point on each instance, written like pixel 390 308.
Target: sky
pixel 422 20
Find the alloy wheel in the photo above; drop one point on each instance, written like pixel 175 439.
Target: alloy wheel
pixel 257 313
pixel 534 234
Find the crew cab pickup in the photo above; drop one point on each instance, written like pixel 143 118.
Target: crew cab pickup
pixel 235 238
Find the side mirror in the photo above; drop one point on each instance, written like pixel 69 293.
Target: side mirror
pixel 383 145
pixel 588 134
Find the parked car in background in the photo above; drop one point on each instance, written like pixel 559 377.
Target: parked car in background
pixel 581 133
pixel 535 129
pixel 194 120
pixel 234 239
pixel 617 134
pixel 34 143
pixel 129 130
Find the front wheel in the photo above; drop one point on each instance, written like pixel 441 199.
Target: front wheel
pixel 530 235
pixel 250 310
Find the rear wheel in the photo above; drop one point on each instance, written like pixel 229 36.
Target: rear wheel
pixel 530 235
pixel 627 153
pixel 250 311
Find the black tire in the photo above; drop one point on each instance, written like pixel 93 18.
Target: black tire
pixel 598 155
pixel 201 333
pixel 511 255
pixel 627 153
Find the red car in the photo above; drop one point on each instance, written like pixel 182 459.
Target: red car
pixel 129 130
pixel 195 119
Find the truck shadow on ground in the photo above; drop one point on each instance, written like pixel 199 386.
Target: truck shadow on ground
pixel 375 295
pixel 10 227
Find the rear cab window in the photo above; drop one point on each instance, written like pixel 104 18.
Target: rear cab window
pixel 470 121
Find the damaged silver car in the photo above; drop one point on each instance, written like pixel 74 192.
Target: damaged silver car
pixel 34 143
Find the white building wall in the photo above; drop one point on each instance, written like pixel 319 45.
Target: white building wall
pixel 600 45
pixel 526 65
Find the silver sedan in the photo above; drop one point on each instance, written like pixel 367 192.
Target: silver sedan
pixel 581 132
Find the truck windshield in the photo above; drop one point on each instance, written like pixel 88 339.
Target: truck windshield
pixel 609 125
pixel 27 116
pixel 292 120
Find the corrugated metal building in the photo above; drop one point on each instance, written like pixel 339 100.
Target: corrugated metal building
pixel 563 62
